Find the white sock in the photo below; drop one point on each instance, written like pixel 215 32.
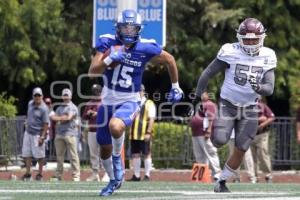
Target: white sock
pixel 148 166
pixel 227 172
pixel 118 145
pixel 108 166
pixel 136 162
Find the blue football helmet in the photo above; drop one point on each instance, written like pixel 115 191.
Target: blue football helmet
pixel 128 27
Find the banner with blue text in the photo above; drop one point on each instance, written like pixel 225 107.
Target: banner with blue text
pixel 153 13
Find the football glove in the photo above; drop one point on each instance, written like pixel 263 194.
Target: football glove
pixel 175 94
pixel 117 55
pixel 253 82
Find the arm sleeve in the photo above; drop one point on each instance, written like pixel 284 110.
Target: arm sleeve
pixel 266 87
pixel 212 69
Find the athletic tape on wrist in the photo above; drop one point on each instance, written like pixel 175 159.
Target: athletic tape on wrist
pixel 175 85
pixel 107 61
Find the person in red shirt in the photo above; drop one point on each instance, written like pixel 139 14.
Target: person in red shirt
pixel 260 144
pixel 90 115
pixel 201 125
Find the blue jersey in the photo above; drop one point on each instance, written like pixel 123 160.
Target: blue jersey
pixel 127 76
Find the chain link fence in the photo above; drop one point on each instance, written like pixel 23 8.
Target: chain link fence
pixel 172 143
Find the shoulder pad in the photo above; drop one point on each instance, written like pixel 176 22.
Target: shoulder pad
pixel 150 47
pixel 148 40
pixel 270 59
pixel 105 42
pixel 113 37
pixel 229 52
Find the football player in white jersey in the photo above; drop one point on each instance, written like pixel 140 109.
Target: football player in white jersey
pixel 249 72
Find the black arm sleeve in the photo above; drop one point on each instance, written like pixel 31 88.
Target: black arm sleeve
pixel 266 87
pixel 211 70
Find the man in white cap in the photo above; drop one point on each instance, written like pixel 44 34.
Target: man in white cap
pixel 35 133
pixel 66 135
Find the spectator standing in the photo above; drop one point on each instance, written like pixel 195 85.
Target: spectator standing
pixel 141 137
pixel 260 144
pixel 203 149
pixel 90 115
pixel 66 135
pixel 50 149
pixel 35 134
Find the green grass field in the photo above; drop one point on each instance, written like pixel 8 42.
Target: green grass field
pixel 144 190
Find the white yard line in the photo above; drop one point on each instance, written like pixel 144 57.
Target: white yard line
pixel 183 192
pixel 174 194
pixel 6 198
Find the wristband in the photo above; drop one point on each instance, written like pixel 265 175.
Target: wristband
pixel 175 85
pixel 107 61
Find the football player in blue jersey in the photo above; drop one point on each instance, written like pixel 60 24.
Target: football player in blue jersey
pixel 122 73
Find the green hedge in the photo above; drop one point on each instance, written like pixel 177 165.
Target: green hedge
pixel 7 112
pixel 172 146
pixel 7 107
pixel 168 144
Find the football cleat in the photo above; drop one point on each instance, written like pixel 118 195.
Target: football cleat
pixel 268 179
pixel 110 188
pixel 135 178
pixel 26 177
pixel 39 177
pixel 221 187
pixel 146 178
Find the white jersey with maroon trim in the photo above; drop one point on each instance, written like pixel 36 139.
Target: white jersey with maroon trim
pixel 236 87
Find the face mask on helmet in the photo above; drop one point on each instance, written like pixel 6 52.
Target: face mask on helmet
pixel 128 26
pixel 251 35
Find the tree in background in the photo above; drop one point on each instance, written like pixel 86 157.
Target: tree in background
pixel 42 41
pixel 199 27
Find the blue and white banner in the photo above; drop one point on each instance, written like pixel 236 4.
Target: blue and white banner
pixel 153 13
